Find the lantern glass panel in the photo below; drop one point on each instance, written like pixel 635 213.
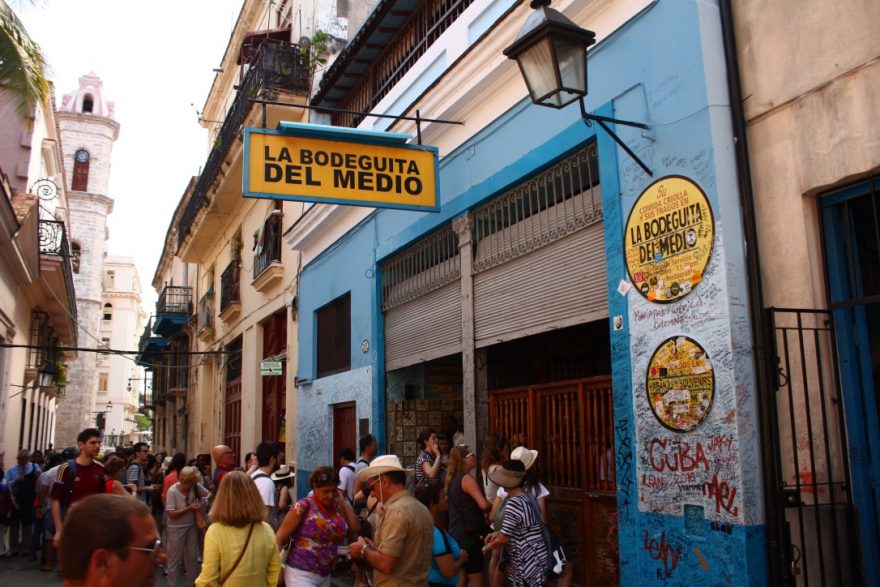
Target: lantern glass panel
pixel 538 69
pixel 572 56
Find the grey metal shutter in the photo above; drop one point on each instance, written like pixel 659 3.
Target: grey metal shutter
pixel 558 285
pixel 426 328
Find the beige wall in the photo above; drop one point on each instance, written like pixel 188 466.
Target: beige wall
pixel 256 306
pixel 811 83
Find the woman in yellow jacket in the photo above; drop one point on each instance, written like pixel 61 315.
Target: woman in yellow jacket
pixel 240 546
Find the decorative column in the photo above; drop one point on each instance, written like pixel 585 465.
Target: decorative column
pixel 463 227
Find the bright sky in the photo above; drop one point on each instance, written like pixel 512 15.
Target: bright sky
pixel 156 60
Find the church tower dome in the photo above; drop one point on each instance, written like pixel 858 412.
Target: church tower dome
pixel 88 98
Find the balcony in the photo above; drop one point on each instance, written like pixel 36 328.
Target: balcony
pixel 172 310
pixel 146 396
pixel 55 291
pixel 372 63
pixel 278 72
pixel 230 288
pixel 205 321
pixel 149 345
pixel 268 270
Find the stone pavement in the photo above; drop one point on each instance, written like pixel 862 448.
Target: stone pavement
pixel 22 572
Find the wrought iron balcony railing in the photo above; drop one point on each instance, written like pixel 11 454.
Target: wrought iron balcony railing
pixel 428 21
pixel 277 66
pixel 175 299
pixel 53 242
pixel 230 285
pixel 146 398
pixel 268 246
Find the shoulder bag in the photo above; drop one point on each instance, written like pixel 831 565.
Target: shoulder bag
pixel 556 555
pixel 240 555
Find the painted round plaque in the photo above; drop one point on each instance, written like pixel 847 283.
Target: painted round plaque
pixel 680 383
pixel 669 237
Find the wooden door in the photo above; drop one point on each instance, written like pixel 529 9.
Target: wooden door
pixel 274 386
pixel 571 425
pixel 344 430
pixel 232 420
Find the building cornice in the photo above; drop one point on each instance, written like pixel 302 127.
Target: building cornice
pixel 74 197
pixel 90 119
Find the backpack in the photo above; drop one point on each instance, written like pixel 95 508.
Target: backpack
pixel 556 562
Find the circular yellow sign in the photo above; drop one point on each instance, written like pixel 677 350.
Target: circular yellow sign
pixel 669 237
pixel 680 383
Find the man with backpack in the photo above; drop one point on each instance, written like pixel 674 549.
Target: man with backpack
pixel 346 474
pixel 368 447
pixel 267 462
pixel 137 471
pixel 77 478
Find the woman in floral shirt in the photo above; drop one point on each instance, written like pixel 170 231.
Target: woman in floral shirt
pixel 316 525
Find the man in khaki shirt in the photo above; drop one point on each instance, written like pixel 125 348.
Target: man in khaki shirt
pixel 400 555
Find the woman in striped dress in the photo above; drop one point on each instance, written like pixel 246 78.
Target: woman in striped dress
pixel 521 532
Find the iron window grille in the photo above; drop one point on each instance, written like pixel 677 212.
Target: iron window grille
pixel 553 204
pixel 420 269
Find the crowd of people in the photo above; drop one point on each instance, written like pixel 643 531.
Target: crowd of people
pixel 447 520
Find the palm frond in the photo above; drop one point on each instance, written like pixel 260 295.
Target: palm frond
pixel 23 68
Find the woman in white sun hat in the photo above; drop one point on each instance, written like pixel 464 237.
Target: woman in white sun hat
pixel 532 484
pixel 520 533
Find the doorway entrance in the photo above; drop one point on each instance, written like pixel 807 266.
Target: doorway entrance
pixel 851 226
pixel 571 426
pixel 274 387
pixel 552 392
pixel 344 430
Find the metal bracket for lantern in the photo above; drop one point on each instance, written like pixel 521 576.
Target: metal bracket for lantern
pixel 551 52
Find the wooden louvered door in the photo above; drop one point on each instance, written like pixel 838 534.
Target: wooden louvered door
pixel 571 425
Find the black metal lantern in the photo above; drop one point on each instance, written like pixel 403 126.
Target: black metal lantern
pixel 48 373
pixel 551 52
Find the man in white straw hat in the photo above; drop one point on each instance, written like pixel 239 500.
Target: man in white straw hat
pixel 400 555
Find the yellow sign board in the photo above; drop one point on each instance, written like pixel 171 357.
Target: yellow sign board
pixel 669 237
pixel 680 383
pixel 343 166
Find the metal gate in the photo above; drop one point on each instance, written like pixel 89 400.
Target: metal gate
pixel 816 517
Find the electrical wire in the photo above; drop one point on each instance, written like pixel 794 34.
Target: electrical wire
pixel 108 351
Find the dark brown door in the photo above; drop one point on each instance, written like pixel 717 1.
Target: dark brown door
pixel 344 429
pixel 274 388
pixel 232 429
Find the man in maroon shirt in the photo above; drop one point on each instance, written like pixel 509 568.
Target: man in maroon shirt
pixel 88 478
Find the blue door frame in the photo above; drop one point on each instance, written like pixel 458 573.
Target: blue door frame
pixel 855 308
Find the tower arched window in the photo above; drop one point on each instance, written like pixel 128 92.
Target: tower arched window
pixel 75 254
pixel 88 103
pixel 81 161
pixel 108 312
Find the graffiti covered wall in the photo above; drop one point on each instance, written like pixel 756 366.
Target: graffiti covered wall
pixel 688 464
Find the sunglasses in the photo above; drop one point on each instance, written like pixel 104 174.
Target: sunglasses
pixel 152 550
pixel 372 482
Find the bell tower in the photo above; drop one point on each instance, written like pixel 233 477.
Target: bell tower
pixel 88 131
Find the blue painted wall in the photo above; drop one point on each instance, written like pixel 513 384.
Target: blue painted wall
pixel 665 67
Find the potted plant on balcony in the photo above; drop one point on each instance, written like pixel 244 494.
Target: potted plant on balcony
pixel 315 51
